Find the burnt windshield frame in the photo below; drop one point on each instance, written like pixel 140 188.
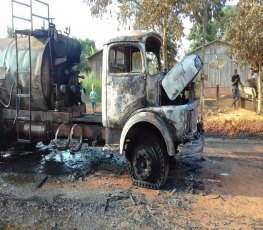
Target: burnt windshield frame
pixel 125 59
pixel 152 48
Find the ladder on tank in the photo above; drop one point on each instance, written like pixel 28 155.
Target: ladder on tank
pixel 24 75
pixel 23 91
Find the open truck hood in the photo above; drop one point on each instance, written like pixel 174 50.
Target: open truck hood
pixel 181 75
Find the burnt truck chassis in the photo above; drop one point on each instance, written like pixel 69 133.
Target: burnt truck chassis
pixel 65 126
pixel 60 126
pixel 148 114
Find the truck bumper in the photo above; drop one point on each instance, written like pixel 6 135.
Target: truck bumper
pixel 193 149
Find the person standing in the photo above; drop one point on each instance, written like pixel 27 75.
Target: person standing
pixel 252 80
pixel 83 96
pixel 235 79
pixel 93 98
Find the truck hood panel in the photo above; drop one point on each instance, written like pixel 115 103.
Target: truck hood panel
pixel 181 75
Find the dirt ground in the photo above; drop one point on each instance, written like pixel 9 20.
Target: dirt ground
pixel 221 119
pixel 47 189
pixel 92 190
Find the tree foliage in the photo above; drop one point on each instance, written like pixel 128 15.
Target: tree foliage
pixel 246 35
pixel 88 48
pixel 217 25
pixel 164 17
pixel 222 22
pixel 214 8
pixel 9 32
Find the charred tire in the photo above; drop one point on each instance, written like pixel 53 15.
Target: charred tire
pixel 46 142
pixel 148 162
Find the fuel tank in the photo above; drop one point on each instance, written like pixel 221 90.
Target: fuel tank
pixel 52 58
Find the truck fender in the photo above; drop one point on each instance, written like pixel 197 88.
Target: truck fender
pixel 155 120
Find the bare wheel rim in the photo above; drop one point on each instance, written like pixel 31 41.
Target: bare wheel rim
pixel 62 144
pixel 144 163
pixel 76 138
pixel 147 161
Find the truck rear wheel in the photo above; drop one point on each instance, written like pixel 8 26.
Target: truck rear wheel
pixel 148 162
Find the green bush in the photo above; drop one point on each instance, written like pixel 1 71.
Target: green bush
pixel 87 83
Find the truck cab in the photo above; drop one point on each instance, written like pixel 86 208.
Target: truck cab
pixel 149 113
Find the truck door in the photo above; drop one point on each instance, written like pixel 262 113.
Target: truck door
pixel 125 83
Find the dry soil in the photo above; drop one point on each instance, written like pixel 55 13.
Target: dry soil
pixel 47 189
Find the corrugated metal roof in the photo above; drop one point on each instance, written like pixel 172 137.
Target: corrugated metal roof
pixel 208 44
pixel 95 54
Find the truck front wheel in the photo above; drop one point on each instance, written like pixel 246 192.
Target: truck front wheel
pixel 148 162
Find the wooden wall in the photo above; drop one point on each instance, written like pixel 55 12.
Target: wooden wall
pixel 96 64
pixel 216 52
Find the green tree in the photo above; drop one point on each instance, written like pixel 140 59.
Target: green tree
pixel 88 48
pixel 222 22
pixel 246 35
pixel 164 17
pixel 207 9
pixel 217 25
pixel 9 32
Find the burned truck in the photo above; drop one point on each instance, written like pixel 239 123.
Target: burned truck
pixel 151 114
pixel 148 115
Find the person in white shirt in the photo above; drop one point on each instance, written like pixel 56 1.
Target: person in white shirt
pixel 253 79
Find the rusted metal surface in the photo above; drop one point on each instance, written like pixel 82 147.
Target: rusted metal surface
pixel 64 51
pixel 40 131
pixel 88 118
pixel 151 118
pixel 127 87
pixel 124 96
pixel 180 118
pixel 135 98
pixel 192 149
pixel 153 90
pixel 8 56
pixel 46 131
pixel 94 132
pixel 41 116
pixel 172 121
pixel 135 36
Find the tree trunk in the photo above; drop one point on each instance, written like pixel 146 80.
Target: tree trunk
pixel 202 99
pixel 259 88
pixel 165 55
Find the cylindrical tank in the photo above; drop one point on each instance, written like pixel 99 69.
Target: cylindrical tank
pixel 48 55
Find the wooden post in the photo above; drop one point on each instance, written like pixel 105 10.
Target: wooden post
pixel 217 92
pixel 202 100
pixel 259 87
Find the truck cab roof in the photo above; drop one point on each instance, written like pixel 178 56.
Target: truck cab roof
pixel 136 36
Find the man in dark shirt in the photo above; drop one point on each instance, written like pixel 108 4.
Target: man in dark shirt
pixel 235 91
